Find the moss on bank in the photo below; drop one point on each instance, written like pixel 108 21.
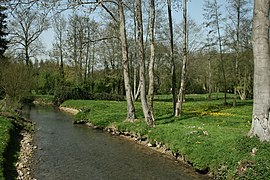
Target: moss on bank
pixel 210 136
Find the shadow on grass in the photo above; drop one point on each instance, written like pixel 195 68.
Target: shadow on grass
pixel 166 119
pixel 11 154
pixel 172 119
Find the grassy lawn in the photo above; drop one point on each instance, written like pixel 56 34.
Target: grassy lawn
pixel 5 128
pixel 209 135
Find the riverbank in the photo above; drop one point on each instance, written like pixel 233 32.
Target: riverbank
pixel 16 147
pixel 209 136
pixel 23 165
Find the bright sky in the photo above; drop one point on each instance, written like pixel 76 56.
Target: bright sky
pixel 195 11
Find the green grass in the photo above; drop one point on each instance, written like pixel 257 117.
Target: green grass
pixel 209 135
pixel 5 129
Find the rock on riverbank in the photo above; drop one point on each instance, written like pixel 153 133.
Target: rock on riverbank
pixel 25 157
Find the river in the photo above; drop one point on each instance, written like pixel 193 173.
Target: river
pixel 67 151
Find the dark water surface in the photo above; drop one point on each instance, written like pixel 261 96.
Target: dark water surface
pixel 67 151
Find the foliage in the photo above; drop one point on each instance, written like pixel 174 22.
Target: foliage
pixel 211 136
pixel 48 77
pixel 16 80
pixel 5 129
pixel 66 92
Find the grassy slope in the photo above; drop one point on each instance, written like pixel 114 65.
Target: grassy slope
pixel 209 135
pixel 5 128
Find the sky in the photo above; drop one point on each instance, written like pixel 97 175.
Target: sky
pixel 195 11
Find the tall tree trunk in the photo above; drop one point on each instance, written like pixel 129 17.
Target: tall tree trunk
pixel 180 99
pixel 61 68
pixel 173 75
pixel 146 111
pixel 125 62
pixel 261 103
pixel 91 64
pixel 222 67
pixel 150 99
pixel 237 79
pixel 209 78
pixel 135 64
pixel 74 53
pixel 80 72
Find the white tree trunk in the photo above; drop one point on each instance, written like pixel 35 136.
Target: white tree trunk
pixel 261 105
pixel 180 99
pixel 150 99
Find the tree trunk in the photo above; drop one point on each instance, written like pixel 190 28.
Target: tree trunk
pixel 173 75
pixel 135 64
pixel 150 99
pixel 261 104
pixel 27 57
pixel 146 111
pixel 180 99
pixel 128 89
pixel 221 59
pixel 209 78
pixel 237 79
pixel 62 73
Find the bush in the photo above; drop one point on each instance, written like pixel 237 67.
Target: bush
pixel 106 96
pixel 65 92
pixel 76 93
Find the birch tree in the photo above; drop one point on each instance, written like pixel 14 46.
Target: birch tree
pixel 261 102
pixel 180 98
pixel 152 59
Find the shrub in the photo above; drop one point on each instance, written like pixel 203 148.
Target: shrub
pixel 76 93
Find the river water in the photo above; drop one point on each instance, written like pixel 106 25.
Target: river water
pixel 67 151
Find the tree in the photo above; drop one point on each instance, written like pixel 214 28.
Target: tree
pixel 180 98
pixel 3 33
pixel 148 115
pixel 59 26
pixel 173 74
pixel 16 81
pixel 26 27
pixel 238 28
pixel 261 102
pixel 213 18
pixel 150 100
pixel 125 62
